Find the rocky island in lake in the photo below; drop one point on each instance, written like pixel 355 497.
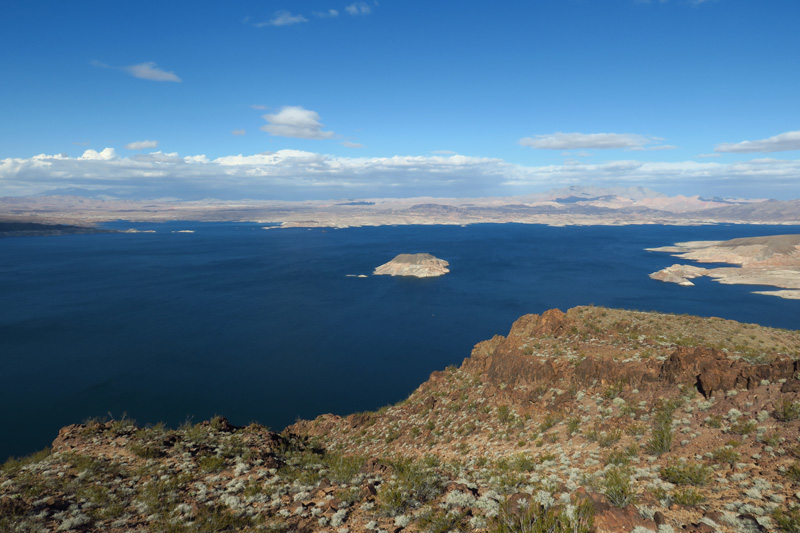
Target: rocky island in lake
pixel 417 265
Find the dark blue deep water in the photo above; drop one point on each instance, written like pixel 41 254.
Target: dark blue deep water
pixel 265 326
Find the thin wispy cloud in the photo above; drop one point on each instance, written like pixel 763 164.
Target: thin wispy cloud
pixel 282 18
pixel 238 132
pixel 331 13
pixel 259 107
pixel 597 141
pixel 778 143
pixel 297 122
pixel 359 8
pixel 146 71
pixel 141 145
pixel 349 144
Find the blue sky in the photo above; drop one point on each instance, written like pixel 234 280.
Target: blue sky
pixel 301 99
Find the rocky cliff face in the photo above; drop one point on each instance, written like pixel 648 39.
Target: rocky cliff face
pixel 590 420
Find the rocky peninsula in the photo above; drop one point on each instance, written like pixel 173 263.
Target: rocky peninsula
pixel 770 260
pixel 417 265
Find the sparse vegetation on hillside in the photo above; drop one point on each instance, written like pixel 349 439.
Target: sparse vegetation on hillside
pixel 573 422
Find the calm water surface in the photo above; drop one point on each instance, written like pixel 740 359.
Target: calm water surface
pixel 266 326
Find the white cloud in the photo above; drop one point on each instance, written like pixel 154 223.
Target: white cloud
pixel 238 132
pixel 107 154
pixel 282 18
pixel 331 13
pixel 708 155
pixel 358 8
pixel 297 122
pixel 145 71
pixel 573 141
pixel 141 145
pixel 779 143
pixel 295 174
pixel 349 144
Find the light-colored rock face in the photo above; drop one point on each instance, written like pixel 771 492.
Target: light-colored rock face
pixel 773 260
pixel 417 265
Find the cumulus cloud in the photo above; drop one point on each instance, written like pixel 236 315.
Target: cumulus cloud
pixel 141 145
pixel 575 141
pixel 294 174
pixel 238 132
pixel 358 8
pixel 297 122
pixel 282 18
pixel 107 154
pixel 145 71
pixel 778 143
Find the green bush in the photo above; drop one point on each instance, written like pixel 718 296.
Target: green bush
pixel 661 436
pixel 793 472
pixel 617 486
pixel 788 520
pixel 536 519
pixel 342 468
pixel 787 410
pixel 413 485
pixel 688 496
pixel 607 438
pixel 725 455
pixel 743 427
pixel 14 464
pixel 686 474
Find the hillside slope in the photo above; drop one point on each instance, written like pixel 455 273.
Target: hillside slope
pixel 594 419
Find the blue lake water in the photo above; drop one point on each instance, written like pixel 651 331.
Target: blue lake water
pixel 265 326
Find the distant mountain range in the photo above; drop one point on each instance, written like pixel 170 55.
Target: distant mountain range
pixel 572 205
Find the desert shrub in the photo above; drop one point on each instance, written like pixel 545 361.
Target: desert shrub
pixel 342 468
pixel 549 421
pixel 534 518
pixel 743 427
pixel 787 520
pixel 686 474
pixel 504 414
pixel 146 450
pixel 573 425
pixel 688 496
pixel 442 521
pixel 607 438
pixel 793 472
pixel 14 464
pixel 725 455
pixel 212 463
pixel 787 410
pixel 413 485
pixel 661 436
pixel 636 429
pixel 617 486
